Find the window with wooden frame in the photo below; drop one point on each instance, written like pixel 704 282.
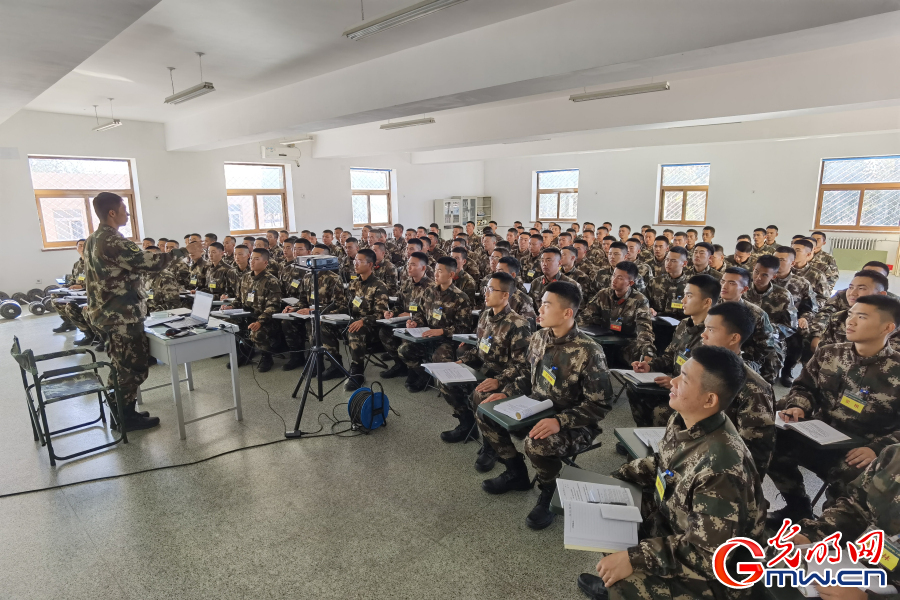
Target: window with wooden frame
pixel 370 192
pixel 683 194
pixel 257 197
pixel 64 188
pixel 557 195
pixel 859 194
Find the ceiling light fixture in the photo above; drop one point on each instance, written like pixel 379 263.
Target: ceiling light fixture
pixel 413 123
pixel 625 91
pixel 204 87
pixel 115 122
pixel 399 17
pixel 308 138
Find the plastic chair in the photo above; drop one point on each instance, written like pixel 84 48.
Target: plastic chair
pixel 57 385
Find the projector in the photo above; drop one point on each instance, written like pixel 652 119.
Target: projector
pixel 329 263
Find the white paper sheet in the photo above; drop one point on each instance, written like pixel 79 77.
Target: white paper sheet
pixel 392 320
pixel 586 529
pixel 650 436
pixel 669 320
pixel 639 378
pixel 613 512
pixel 818 431
pixel 580 491
pixel 522 407
pixel 449 372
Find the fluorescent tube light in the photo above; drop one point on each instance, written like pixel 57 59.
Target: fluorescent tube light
pixel 308 138
pixel 115 123
pixel 404 15
pixel 413 123
pixel 626 91
pixel 190 93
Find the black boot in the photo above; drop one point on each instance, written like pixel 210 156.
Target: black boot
pixel 797 508
pixel 540 516
pixel 265 363
pixel 399 369
pixel 101 346
pixel 64 327
pixel 333 372
pixel 592 587
pixel 357 378
pixel 419 381
pixel 786 378
pixel 461 431
pixel 295 360
pixel 86 340
pixel 487 458
pixel 134 420
pixel 514 478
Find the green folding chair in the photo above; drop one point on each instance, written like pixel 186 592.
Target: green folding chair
pixel 57 385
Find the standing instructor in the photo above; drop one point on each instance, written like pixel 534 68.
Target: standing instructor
pixel 117 303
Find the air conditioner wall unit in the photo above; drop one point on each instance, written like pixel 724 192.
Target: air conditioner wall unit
pixel 273 152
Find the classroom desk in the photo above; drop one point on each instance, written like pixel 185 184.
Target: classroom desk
pixel 576 474
pixel 635 447
pixel 191 348
pixel 466 338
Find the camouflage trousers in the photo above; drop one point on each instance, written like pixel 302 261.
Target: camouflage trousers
pixel 792 452
pixel 73 311
pixel 649 409
pixel 263 338
pixel 128 351
pixel 390 342
pixel 644 586
pixel 413 354
pixel 546 455
pixel 797 349
pixel 359 342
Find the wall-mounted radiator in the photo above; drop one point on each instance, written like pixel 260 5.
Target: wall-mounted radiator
pixel 852 253
pixel 853 243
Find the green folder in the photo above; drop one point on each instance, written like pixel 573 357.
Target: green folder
pixel 508 423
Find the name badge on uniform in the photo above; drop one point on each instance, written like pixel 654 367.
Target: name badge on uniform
pixel 890 553
pixel 413 308
pixel 549 374
pixel 616 325
pixel 677 303
pixel 683 357
pixel 251 296
pixel 661 483
pixel 81 278
pixel 193 281
pixel 150 295
pixel 485 345
pixel 295 283
pixel 437 313
pixel 354 277
pixel 212 285
pixel 855 402
pixel 531 273
pixel 357 302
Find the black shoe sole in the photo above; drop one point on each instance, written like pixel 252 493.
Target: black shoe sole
pixel 496 492
pixel 140 425
pixel 538 525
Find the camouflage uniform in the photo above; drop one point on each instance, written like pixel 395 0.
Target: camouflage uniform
pixel 630 315
pixel 714 494
pixel 604 279
pixel 531 267
pixel 162 290
pixel 396 251
pixel 232 279
pixel 577 381
pixel 450 310
pixel 500 353
pixel 826 264
pixel 760 251
pixel 464 282
pixel 473 268
pixel 597 257
pixel 522 304
pixel 229 260
pixel 182 273
pixel 75 278
pixel 538 284
pixel 338 250
pixel 666 294
pixel 197 279
pixel 260 295
pixel 817 279
pixel 838 302
pixel 346 270
pixel 731 261
pixel 367 300
pixel 778 304
pixel 832 372
pixel 872 501
pixel 584 281
pixel 690 271
pixel 216 278
pixel 652 409
pixel 753 415
pixel 797 346
pixel 117 304
pixel 404 273
pixel 409 299
pixel 332 300
pixel 386 272
pixel 474 241
pixel 763 349
pixel 645 255
pixel 836 331
pixel 75 313
pixel 659 266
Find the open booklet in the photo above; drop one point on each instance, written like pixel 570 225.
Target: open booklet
pixel 639 378
pixel 598 517
pixel 650 436
pixel 522 407
pixel 392 320
pixel 816 430
pixel 449 372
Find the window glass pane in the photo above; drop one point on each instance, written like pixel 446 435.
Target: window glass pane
pixel 254 177
pixel 240 213
pixel 839 207
pixel 379 205
pixel 672 206
pixel 64 219
pixel 79 174
pixel 547 206
pixel 568 206
pixel 368 179
pixel 360 209
pixel 269 210
pixel 685 175
pixel 696 206
pixel 548 180
pixel 881 208
pixel 884 169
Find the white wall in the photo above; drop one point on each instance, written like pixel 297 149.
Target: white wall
pixel 180 192
pixel 752 184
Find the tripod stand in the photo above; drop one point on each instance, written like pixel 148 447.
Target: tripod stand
pixel 316 361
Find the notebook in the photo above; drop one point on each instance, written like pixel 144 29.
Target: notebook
pixel 522 407
pixel 816 430
pixel 639 378
pixel 598 517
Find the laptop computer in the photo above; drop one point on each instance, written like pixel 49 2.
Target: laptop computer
pixel 199 313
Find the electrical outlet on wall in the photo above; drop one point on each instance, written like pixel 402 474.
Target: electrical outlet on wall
pixel 38 281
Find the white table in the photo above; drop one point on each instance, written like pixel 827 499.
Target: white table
pixel 191 348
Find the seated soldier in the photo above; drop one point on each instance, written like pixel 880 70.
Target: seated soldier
pixel 461 279
pixel 384 269
pixel 805 268
pixel 228 244
pixel 274 246
pixel 447 310
pixel 473 264
pixel 764 349
pixel 634 245
pixel 759 246
pixel 864 283
pixel 410 300
pixel 666 289
pixel 583 262
pixel 531 262
pixel 568 256
pixel 241 267
pixel 690 241
pixel 367 300
pixel 396 246
pixel 823 260
pixel 798 346
pixel 435 250
pixel 623 311
pixel 493 264
pixel 519 301
pixel 161 288
pixel 550 273
pixel 870 503
pixel 708 233
pixel 414 245
pixel 179 267
pixel 652 410
pixel 742 257
pixel 215 279
pixel 774 300
pixel 853 388
pixel 348 265
pixel 700 261
pixel 197 280
pixel 700 490
pixel 568 368
pixel 499 353
pixel 838 301
pixel 74 282
pixel 614 255
pixel 260 294
pixel 728 325
pixel 717 260
pixel 331 298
